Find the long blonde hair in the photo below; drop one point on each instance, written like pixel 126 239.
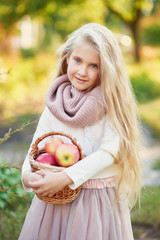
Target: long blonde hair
pixel 119 99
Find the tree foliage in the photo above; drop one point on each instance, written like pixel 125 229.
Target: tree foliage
pixel 63 16
pixel 130 12
pixel 12 11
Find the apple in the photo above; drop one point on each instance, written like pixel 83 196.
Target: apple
pixel 67 154
pixel 52 144
pixel 46 158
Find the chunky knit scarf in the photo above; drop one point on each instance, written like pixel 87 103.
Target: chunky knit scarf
pixel 73 107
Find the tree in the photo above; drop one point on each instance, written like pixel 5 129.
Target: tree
pixel 60 17
pixel 52 13
pixel 11 11
pixel 130 12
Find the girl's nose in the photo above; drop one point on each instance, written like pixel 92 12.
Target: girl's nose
pixel 83 70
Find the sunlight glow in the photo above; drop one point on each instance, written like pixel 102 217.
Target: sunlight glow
pixel 125 40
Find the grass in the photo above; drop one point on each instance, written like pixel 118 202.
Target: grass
pixel 14 201
pixel 150 67
pixel 12 219
pixel 149 212
pixel 156 165
pixel 150 114
pixel 146 83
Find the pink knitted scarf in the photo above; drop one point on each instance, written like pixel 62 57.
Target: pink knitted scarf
pixel 73 107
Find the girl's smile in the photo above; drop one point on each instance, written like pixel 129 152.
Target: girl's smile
pixel 83 66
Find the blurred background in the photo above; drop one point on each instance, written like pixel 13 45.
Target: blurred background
pixel 30 34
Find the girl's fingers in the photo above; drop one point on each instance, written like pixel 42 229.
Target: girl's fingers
pixel 43 194
pixel 39 191
pixel 41 172
pixel 36 184
pixel 50 195
pixel 46 194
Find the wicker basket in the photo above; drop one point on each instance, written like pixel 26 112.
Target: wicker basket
pixel 67 195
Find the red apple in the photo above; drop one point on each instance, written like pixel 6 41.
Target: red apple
pixel 46 158
pixel 52 144
pixel 67 154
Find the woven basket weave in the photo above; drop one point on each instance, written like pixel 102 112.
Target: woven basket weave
pixel 67 195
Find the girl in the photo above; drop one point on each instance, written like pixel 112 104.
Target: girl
pixel 91 99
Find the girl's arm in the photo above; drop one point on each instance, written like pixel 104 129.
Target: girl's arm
pixel 50 183
pixel 44 126
pixel 98 160
pixel 43 182
pixel 30 176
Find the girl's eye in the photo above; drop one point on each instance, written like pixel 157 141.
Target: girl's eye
pixel 77 60
pixel 94 66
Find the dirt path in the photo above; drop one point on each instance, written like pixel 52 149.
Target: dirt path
pixel 150 152
pixel 149 155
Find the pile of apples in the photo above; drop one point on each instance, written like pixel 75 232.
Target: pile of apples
pixel 58 153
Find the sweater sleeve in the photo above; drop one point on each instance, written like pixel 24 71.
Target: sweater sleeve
pixel 98 160
pixel 44 126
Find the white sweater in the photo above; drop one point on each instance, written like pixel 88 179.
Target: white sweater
pixel 95 141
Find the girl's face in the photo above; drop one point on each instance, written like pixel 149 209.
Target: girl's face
pixel 83 67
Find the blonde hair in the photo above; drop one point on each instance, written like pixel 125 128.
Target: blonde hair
pixel 119 100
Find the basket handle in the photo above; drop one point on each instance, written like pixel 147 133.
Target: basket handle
pixel 73 140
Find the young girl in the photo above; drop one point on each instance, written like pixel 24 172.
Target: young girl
pixel 91 99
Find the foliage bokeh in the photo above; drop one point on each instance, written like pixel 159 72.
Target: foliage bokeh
pixel 151 35
pixel 26 73
pixel 14 201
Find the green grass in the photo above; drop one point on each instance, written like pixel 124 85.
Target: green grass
pixel 150 114
pixel 149 212
pixel 14 202
pixel 156 165
pixel 145 79
pixel 145 88
pixel 12 220
pixel 146 84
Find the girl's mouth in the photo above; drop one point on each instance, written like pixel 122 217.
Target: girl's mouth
pixel 80 80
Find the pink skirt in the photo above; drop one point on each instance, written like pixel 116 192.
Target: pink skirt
pixel 89 217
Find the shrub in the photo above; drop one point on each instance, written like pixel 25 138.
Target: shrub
pixel 151 35
pixel 14 201
pixel 145 89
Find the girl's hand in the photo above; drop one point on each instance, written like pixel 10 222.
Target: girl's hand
pixel 50 183
pixel 30 176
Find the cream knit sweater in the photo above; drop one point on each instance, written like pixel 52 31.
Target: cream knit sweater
pixel 93 140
